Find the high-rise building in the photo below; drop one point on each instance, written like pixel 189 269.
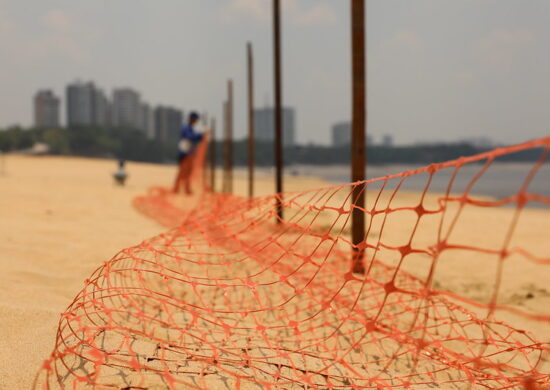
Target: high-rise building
pixel 127 110
pixel 175 123
pixel 148 120
pixel 264 125
pixel 101 109
pixel 161 123
pixel 341 134
pixel 387 141
pixel 80 104
pixel 46 109
pixel 168 122
pixel 87 105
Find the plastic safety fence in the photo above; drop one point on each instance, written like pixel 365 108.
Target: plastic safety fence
pixel 231 298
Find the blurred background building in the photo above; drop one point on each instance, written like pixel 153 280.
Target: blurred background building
pixel 264 125
pixel 101 109
pixel 88 105
pixel 81 104
pixel 168 121
pixel 341 134
pixel 387 140
pixel 46 110
pixel 127 109
pixel 147 120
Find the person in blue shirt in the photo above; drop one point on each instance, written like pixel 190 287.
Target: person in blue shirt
pixel 189 139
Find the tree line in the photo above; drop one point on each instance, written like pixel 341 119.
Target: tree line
pixel 134 145
pixel 89 141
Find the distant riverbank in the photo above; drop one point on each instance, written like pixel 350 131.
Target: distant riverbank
pixel 499 181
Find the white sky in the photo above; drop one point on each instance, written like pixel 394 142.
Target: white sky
pixel 437 69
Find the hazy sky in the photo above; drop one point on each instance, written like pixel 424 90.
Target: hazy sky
pixel 437 69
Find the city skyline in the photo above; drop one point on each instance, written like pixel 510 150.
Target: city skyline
pixel 164 122
pixel 99 93
pixel 437 70
pixel 87 104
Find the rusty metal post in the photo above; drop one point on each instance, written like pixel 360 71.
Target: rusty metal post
pixel 359 116
pixel 228 144
pixel 251 140
pixel 230 128
pixel 213 155
pixel 278 104
pixel 224 149
pixel 204 117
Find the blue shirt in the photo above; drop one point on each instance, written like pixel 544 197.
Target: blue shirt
pixel 189 139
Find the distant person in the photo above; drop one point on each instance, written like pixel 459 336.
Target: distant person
pixel 189 140
pixel 120 175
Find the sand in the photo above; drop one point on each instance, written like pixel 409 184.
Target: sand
pixel 62 217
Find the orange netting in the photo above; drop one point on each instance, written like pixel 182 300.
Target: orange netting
pixel 229 299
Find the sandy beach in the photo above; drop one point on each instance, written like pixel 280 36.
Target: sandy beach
pixel 60 219
pixel 63 217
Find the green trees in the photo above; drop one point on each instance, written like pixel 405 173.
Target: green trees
pixel 131 144
pixel 57 140
pixel 16 138
pixel 89 141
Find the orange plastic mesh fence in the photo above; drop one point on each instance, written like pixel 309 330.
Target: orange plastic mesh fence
pixel 453 295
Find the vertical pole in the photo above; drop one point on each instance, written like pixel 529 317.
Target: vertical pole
pixel 230 145
pixel 213 155
pixel 204 117
pixel 278 112
pixel 228 149
pixel 224 148
pixel 251 157
pixel 359 115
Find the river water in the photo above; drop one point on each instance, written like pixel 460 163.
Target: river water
pixel 500 180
